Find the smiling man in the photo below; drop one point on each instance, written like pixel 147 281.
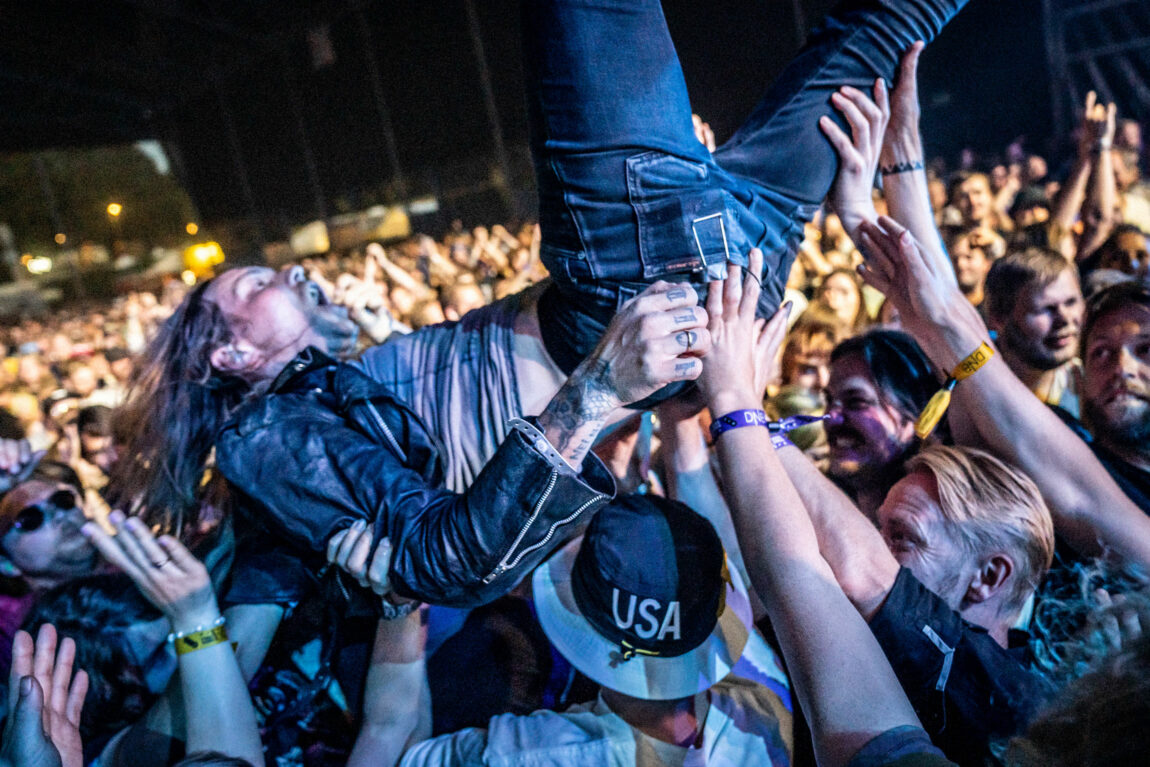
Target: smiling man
pixel 879 383
pixel 1034 303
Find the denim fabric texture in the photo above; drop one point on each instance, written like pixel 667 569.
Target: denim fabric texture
pixel 628 196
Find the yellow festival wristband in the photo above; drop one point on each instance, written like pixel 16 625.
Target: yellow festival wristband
pixel 936 408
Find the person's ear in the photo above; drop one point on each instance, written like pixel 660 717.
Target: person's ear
pixel 8 568
pixel 232 358
pixel 990 579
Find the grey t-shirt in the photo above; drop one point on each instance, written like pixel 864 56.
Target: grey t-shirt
pixel 460 378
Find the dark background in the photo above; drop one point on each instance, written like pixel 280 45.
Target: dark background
pixel 87 74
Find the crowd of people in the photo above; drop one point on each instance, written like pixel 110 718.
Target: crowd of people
pixel 795 449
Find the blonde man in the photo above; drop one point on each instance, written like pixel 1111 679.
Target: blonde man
pixel 963 541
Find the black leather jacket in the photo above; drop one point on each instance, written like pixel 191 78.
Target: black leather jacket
pixel 327 445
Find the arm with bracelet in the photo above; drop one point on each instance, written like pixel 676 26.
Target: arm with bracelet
pixel 828 647
pixel 217 709
pixel 1089 509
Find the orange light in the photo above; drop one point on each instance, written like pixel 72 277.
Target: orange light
pixel 60 238
pixel 115 209
pixel 192 228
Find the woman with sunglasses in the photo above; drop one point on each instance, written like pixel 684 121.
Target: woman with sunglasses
pixel 41 511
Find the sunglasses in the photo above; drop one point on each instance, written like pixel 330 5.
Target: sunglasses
pixel 32 518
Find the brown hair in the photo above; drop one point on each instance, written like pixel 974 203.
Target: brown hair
pixel 177 403
pixel 1021 270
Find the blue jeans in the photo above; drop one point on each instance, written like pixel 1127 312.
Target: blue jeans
pixel 628 196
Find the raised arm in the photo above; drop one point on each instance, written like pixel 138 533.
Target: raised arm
pixel 217 708
pixel 903 160
pixel 1088 507
pixel 843 679
pixel 396 700
pixel 1071 201
pixel 1099 211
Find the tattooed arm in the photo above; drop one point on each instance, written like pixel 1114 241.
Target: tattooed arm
pixel 657 338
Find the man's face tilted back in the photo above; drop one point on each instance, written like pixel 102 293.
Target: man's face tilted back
pixel 1116 357
pixel 273 316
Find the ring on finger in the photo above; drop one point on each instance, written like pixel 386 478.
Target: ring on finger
pixel 161 563
pixel 752 275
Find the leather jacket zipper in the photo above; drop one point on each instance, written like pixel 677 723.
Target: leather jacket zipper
pixel 505 565
pixel 386 431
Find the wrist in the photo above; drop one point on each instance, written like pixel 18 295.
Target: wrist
pixel 194 619
pixel 592 396
pixel 729 400
pixel 901 146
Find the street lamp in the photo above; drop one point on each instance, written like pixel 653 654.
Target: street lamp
pixel 115 209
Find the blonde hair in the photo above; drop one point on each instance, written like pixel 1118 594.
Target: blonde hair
pixel 989 506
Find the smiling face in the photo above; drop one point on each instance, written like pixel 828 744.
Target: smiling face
pixel 54 551
pixel 1116 384
pixel 867 436
pixel 273 317
pixel 913 527
pixel 1043 328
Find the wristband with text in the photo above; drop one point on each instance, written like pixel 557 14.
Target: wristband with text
pixel 737 419
pixel 200 640
pixel 790 423
pixel 936 408
pixel 781 440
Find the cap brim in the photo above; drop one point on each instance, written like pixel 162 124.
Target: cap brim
pixel 644 677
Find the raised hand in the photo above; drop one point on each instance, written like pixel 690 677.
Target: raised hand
pixel 858 153
pixel 930 305
pixel 703 132
pixel 1098 125
pixel 164 571
pixel 349 550
pixel 17 462
pixel 902 131
pixel 657 338
pixel 731 365
pixel 44 702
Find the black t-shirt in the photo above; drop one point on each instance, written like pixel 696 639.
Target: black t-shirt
pixel 966 688
pixel 1135 482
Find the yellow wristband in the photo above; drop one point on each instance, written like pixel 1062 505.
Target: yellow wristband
pixel 935 409
pixel 201 639
pixel 973 362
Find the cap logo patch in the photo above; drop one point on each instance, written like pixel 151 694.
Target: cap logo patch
pixel 654 617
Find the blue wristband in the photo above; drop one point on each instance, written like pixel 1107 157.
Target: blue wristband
pixel 781 440
pixel 794 422
pixel 736 420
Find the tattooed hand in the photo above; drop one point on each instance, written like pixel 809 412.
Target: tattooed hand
pixel 657 338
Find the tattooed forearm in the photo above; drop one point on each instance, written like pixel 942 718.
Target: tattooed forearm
pixel 576 414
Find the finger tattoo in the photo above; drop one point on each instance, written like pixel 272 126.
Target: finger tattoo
pixel 678 294
pixel 683 319
pixel 686 338
pixel 682 368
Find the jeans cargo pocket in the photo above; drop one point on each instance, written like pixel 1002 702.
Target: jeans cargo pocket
pixel 683 220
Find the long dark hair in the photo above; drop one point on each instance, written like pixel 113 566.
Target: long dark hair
pixel 177 403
